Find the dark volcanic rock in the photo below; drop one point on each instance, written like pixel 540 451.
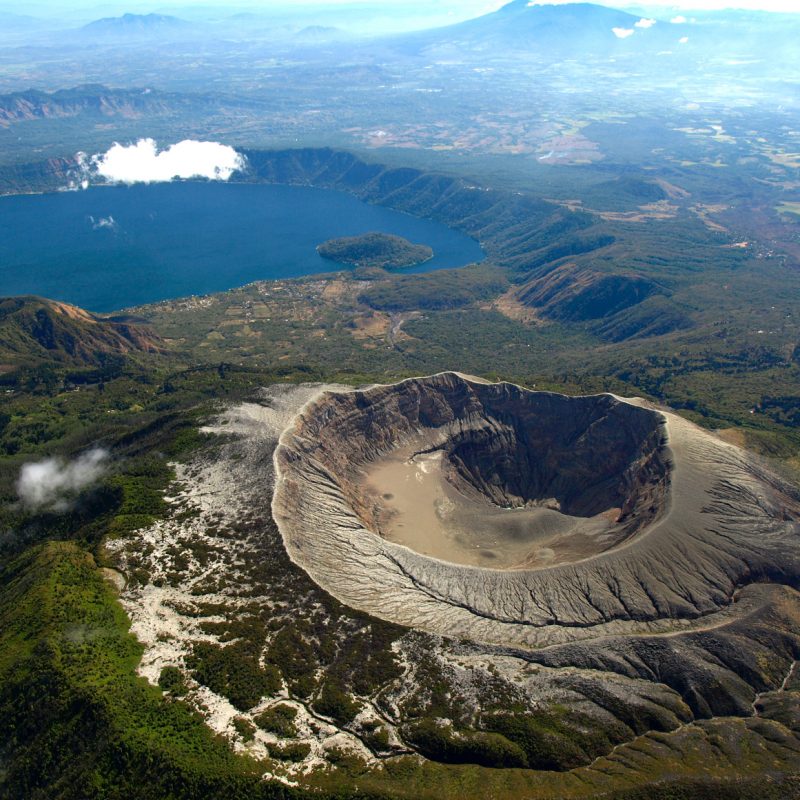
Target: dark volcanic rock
pixel 588 453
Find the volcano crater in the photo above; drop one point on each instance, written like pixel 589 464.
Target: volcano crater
pixel 492 512
pixel 493 475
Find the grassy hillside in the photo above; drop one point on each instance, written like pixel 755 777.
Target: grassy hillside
pixel 33 330
pixel 77 723
pixel 75 720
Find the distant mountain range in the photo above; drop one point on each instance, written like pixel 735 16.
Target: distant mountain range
pixel 521 21
pixel 545 27
pixel 86 99
pixel 137 25
pixel 574 30
pixel 19 22
pixel 319 33
pixel 585 29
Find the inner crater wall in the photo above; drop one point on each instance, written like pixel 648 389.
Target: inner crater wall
pixel 503 444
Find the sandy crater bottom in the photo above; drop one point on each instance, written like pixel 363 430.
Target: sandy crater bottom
pixel 419 507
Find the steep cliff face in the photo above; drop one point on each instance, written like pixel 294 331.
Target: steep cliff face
pixel 501 446
pixel 588 454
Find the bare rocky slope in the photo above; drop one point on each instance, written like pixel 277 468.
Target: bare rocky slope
pixel 668 650
pixel 709 540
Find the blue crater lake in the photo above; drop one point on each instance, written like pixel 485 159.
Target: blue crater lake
pixel 108 248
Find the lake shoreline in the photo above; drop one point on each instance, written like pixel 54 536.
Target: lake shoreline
pixel 130 246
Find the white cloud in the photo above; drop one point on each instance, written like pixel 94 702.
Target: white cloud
pixel 644 23
pixel 52 484
pixel 683 40
pixel 144 163
pixel 623 33
pixel 679 20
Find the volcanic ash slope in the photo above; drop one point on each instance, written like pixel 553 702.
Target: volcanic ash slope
pixel 629 524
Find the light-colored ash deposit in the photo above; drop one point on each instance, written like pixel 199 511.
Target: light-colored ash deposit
pixel 527 519
pixel 605 577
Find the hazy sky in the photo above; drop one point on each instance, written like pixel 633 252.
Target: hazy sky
pixel 435 7
pixel 785 6
pixel 397 14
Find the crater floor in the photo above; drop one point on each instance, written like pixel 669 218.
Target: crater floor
pixel 522 482
pixel 417 506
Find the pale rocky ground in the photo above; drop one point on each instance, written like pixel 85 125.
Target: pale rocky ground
pixel 715 631
pixel 158 613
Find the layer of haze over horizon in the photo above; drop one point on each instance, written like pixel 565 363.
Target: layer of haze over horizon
pixel 421 13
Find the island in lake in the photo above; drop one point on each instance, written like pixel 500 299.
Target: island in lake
pixel 375 250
